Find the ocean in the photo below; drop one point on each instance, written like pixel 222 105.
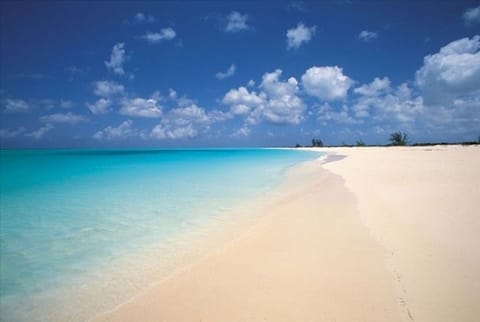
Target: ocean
pixel 78 223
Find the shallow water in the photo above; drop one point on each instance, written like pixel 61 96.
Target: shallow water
pixel 66 215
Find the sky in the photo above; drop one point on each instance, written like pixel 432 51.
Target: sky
pixel 246 73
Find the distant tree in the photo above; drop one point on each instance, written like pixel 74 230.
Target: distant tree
pixel 360 143
pixel 317 142
pixel 399 138
pixel 298 145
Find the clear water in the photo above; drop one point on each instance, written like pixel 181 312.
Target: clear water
pixel 64 213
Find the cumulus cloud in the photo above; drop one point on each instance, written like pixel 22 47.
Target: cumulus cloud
pixel 69 118
pixel 38 134
pixel 241 101
pixel 282 105
pixel 380 102
pixel 156 37
pixel 141 107
pixel 8 134
pixel 452 72
pixel 107 88
pixel 186 120
pixel 122 131
pixel 101 106
pixel 299 35
pixel 376 87
pixel 228 73
pixel 117 59
pixel 163 131
pixel 327 83
pixel 327 113
pixel 236 22
pixel 277 103
pixel 16 105
pixel 471 16
pixel 367 36
pixel 188 114
pixel 182 122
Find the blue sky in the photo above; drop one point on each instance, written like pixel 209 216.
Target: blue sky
pixel 224 73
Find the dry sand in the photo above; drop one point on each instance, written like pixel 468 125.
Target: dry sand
pixel 423 206
pixel 386 234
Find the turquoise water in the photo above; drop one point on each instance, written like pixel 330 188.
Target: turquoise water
pixel 65 213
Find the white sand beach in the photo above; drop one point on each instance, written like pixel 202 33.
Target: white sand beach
pixel 383 234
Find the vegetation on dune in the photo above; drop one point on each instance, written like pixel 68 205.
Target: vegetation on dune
pixel 399 138
pixel 360 143
pixel 317 142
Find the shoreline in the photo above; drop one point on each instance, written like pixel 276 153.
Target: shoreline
pixel 298 220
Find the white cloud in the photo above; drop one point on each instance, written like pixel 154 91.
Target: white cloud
pixel 181 122
pixel 277 102
pixel 251 83
pixel 188 114
pixel 66 104
pixel 327 113
pixel 163 131
pixel 73 71
pixel 387 104
pixel 140 17
pixel 376 87
pixel 228 73
pixel 236 22
pixel 101 106
pixel 327 83
pixel 452 72
pixel 172 94
pixel 141 107
pixel 241 101
pixel 117 59
pixel 124 130
pixel 244 131
pixel 471 16
pixel 367 36
pixel 187 120
pixel 299 35
pixel 156 37
pixel 107 88
pixel 282 105
pixel 38 134
pixel 69 118
pixel 8 134
pixel 298 6
pixel 16 105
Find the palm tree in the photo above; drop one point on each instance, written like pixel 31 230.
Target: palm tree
pixel 399 138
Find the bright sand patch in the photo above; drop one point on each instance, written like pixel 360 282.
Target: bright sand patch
pixel 396 237
pixel 308 258
pixel 422 205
